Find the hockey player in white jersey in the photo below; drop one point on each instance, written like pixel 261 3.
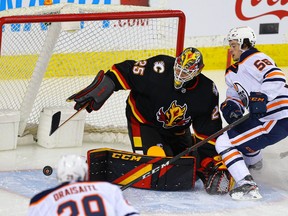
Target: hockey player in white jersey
pixel 75 196
pixel 256 83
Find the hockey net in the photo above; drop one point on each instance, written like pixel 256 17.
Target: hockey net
pixel 50 52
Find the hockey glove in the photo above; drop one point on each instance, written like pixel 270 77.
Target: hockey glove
pixel 215 176
pixel 95 94
pixel 257 104
pixel 231 111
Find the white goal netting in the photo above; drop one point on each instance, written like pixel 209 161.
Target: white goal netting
pixel 50 52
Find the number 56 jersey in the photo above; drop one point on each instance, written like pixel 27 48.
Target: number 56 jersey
pixel 257 72
pixel 81 198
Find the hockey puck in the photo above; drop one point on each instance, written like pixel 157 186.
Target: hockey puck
pixel 47 170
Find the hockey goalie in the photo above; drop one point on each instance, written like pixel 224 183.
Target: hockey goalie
pixel 167 96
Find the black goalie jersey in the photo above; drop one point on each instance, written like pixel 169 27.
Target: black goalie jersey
pixel 153 99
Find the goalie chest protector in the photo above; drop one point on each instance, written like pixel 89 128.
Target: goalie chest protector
pixel 121 167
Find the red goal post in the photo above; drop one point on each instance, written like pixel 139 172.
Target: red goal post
pixel 51 52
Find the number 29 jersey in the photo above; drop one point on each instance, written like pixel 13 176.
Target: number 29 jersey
pixel 81 198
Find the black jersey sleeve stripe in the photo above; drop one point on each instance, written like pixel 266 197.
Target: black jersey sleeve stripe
pixel 274 79
pixel 271 70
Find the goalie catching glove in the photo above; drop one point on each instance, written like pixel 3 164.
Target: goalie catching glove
pixel 95 94
pixel 215 176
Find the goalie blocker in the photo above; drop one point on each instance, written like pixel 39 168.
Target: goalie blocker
pixel 121 167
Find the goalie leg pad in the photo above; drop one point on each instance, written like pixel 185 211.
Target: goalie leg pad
pixel 121 167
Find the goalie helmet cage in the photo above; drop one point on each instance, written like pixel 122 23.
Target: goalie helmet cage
pixel 50 52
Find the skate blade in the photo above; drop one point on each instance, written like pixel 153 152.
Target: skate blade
pixel 251 195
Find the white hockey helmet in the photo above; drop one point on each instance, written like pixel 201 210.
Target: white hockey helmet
pixel 187 66
pixel 241 33
pixel 72 168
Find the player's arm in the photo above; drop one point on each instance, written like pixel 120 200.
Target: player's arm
pixel 126 75
pixel 208 122
pixel 95 94
pixel 232 110
pixel 130 74
pixel 233 106
pixel 273 81
pixel 271 77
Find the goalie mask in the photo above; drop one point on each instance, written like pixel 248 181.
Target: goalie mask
pixel 187 66
pixel 240 34
pixel 72 168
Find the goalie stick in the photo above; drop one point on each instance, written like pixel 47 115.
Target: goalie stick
pixel 57 116
pixel 188 150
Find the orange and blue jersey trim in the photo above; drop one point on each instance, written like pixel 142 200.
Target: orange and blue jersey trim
pixel 251 134
pixel 274 75
pixel 281 101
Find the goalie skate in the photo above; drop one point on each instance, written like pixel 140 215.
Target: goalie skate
pixel 248 190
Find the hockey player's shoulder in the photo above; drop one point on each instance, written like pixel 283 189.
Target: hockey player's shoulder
pixel 247 54
pixel 205 79
pixel 232 68
pixel 161 63
pixel 208 84
pixel 45 193
pixel 165 58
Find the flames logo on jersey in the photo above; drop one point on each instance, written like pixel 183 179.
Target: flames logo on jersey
pixel 173 116
pixel 159 67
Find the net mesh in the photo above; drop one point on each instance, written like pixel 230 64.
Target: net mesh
pixel 45 61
